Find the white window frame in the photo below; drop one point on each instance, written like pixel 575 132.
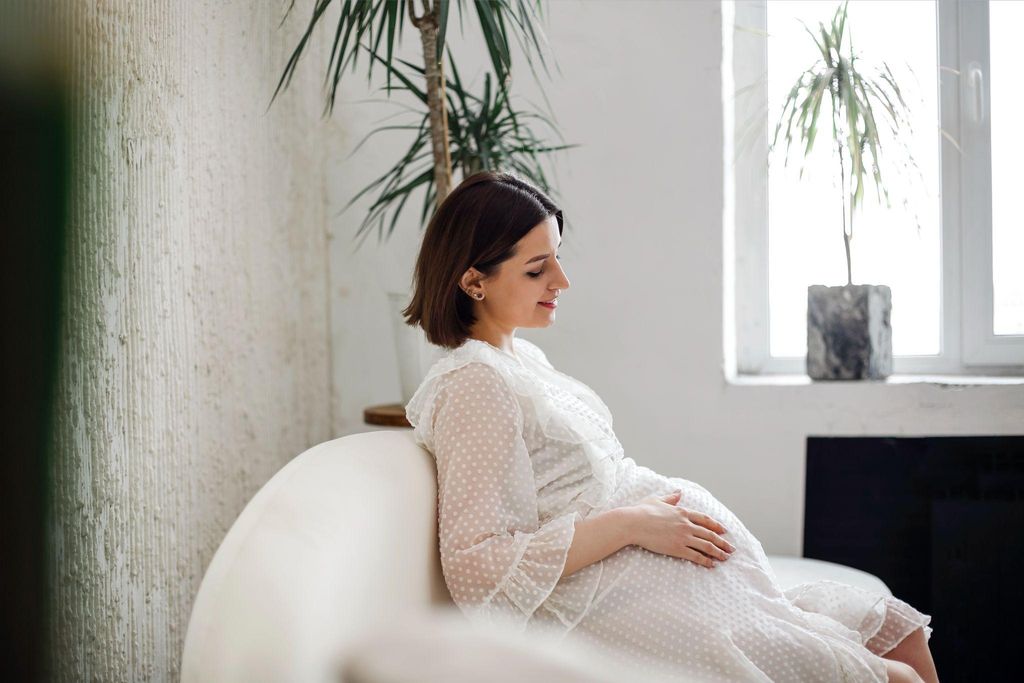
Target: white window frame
pixel 966 300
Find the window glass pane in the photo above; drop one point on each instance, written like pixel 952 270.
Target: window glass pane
pixel 1007 115
pixel 805 215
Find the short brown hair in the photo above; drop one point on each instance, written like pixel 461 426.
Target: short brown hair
pixel 477 225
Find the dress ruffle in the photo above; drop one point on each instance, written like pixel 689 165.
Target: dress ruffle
pixel 520 602
pixel 546 550
pixel 534 581
pixel 573 596
pixel 901 620
pixel 879 621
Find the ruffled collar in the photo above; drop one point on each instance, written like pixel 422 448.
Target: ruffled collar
pixel 523 358
pixel 516 345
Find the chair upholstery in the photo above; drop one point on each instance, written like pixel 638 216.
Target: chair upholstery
pixel 341 541
pixel 792 571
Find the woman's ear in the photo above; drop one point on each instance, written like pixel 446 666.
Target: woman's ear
pixel 470 278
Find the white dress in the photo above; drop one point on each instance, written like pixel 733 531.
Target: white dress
pixel 523 451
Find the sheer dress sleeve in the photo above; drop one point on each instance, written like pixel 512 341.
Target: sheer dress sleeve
pixel 499 561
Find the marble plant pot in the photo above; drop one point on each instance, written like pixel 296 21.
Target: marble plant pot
pixel 849 333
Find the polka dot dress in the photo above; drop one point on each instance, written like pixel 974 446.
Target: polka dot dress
pixel 524 451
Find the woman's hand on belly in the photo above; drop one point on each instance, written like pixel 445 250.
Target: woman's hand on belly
pixel 658 524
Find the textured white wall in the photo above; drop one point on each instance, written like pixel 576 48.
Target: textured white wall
pixel 195 357
pixel 640 88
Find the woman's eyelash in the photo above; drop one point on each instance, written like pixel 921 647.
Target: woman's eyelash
pixel 538 273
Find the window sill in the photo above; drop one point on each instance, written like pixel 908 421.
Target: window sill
pixel 940 380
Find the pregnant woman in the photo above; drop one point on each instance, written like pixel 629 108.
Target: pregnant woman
pixel 544 522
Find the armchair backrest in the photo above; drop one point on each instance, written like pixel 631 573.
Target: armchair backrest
pixel 340 540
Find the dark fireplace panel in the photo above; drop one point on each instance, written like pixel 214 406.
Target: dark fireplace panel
pixel 941 521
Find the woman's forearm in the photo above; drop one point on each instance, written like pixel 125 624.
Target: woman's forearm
pixel 598 537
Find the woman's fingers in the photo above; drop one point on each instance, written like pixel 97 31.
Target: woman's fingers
pixel 697 558
pixel 708 549
pixel 705 521
pixel 701 532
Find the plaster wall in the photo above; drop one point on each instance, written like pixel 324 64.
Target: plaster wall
pixel 195 357
pixel 639 86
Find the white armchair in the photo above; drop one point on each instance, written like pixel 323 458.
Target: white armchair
pixel 340 542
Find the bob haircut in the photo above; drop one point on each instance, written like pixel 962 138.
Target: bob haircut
pixel 477 225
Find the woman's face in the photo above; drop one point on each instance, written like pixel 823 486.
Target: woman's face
pixel 514 292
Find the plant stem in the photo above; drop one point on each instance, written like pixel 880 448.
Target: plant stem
pixel 434 72
pixel 847 236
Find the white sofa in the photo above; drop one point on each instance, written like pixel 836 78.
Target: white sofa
pixel 341 542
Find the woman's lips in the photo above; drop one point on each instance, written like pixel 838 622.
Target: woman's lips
pixel 551 305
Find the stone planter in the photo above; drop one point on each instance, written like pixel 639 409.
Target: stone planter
pixel 849 335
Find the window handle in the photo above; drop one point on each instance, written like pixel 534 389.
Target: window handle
pixel 976 98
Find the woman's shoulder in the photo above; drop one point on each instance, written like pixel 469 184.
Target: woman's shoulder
pixel 474 358
pixel 477 365
pixel 474 375
pixel 472 367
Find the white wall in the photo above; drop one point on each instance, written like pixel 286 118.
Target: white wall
pixel 640 89
pixel 195 355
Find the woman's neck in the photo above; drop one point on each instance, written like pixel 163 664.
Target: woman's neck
pixel 500 340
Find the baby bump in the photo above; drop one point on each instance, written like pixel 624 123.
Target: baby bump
pixel 749 552
pixel 696 497
pixel 638 482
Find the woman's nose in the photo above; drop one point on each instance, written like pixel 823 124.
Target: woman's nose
pixel 565 281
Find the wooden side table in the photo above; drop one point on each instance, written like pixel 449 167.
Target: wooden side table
pixel 386 415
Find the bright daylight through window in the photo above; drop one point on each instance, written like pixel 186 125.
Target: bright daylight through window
pixel 1005 22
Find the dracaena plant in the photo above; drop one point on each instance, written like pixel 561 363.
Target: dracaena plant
pixel 860 103
pixel 383 21
pixel 485 133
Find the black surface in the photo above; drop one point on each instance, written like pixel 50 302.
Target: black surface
pixel 33 202
pixel 941 521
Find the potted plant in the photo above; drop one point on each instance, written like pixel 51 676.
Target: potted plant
pixel 458 131
pixel 849 333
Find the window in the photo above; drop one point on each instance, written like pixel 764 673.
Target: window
pixel 1007 105
pixel 951 247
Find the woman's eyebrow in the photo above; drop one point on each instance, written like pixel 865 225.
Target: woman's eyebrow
pixel 541 257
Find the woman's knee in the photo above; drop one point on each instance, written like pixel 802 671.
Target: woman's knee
pixel 899 672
